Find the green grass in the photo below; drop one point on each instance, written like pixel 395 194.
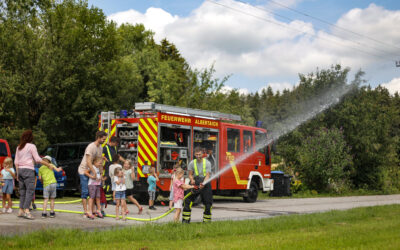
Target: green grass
pixel 360 228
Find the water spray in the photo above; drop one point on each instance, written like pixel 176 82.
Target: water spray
pixel 316 106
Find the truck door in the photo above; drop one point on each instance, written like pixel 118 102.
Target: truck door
pixel 251 162
pixel 263 154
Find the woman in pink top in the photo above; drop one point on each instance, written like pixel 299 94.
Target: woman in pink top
pixel 25 159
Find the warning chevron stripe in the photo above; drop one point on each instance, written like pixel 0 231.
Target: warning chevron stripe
pixel 145 150
pixel 147 141
pixel 149 130
pixel 152 124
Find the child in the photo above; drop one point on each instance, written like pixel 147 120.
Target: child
pixel 119 180
pixel 8 175
pixel 129 172
pixel 115 164
pixel 179 187
pixel 94 185
pixel 171 187
pixel 151 180
pixel 46 176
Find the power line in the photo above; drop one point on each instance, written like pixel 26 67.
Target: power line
pixel 290 19
pixel 332 24
pixel 299 31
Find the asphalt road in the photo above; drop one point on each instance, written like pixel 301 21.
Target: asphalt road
pixel 222 210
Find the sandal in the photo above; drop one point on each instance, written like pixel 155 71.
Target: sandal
pixel 98 214
pixel 21 215
pixel 29 216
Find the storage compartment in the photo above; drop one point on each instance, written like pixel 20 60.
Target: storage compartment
pixel 174 144
pixel 128 133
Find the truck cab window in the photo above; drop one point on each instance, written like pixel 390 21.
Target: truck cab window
pixel 247 141
pixel 233 140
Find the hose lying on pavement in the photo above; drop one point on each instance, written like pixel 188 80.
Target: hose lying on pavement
pixel 112 216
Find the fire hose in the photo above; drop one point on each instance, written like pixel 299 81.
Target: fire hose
pixel 113 216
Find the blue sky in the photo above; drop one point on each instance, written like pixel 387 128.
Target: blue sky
pixel 256 60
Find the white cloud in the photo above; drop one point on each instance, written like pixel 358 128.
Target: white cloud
pixel 226 89
pixel 264 47
pixel 393 86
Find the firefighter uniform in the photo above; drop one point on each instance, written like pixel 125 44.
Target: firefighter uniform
pixel 199 170
pixel 108 152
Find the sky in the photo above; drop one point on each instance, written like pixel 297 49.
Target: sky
pixel 263 43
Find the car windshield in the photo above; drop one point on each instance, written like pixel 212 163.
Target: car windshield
pixel 49 151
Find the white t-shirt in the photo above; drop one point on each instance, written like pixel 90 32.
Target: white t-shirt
pixel 112 169
pixel 119 187
pixel 96 181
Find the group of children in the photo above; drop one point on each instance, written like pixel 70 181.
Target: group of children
pixel 122 178
pixel 46 176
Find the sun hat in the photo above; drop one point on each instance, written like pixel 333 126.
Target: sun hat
pixel 47 158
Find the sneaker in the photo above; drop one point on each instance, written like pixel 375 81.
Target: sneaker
pixel 140 210
pixel 52 214
pixel 34 206
pixel 152 208
pixel 10 210
pixel 4 210
pixel 44 215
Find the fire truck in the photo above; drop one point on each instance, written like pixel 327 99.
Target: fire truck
pixel 161 136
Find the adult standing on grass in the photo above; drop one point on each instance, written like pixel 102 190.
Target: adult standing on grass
pixel 92 151
pixel 199 172
pixel 25 158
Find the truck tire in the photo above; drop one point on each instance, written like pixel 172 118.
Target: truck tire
pixel 252 193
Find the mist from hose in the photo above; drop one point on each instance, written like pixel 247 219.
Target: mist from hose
pixel 315 105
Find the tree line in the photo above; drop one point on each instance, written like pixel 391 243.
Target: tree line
pixel 61 63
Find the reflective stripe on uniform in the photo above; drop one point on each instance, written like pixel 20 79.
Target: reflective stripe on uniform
pixel 196 171
pixel 109 154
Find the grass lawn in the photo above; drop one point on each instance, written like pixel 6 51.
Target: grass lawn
pixel 365 228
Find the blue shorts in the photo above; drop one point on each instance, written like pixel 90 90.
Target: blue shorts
pixel 84 186
pixel 120 195
pixel 8 186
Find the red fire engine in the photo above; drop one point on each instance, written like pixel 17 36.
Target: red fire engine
pixel 163 135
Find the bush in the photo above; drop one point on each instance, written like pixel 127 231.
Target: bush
pixel 324 161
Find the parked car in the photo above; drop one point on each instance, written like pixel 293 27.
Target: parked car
pixel 69 157
pixel 4 151
pixel 61 178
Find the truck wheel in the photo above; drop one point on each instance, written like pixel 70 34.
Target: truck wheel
pixel 252 193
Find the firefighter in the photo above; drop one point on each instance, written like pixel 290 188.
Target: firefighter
pixel 199 172
pixel 108 151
